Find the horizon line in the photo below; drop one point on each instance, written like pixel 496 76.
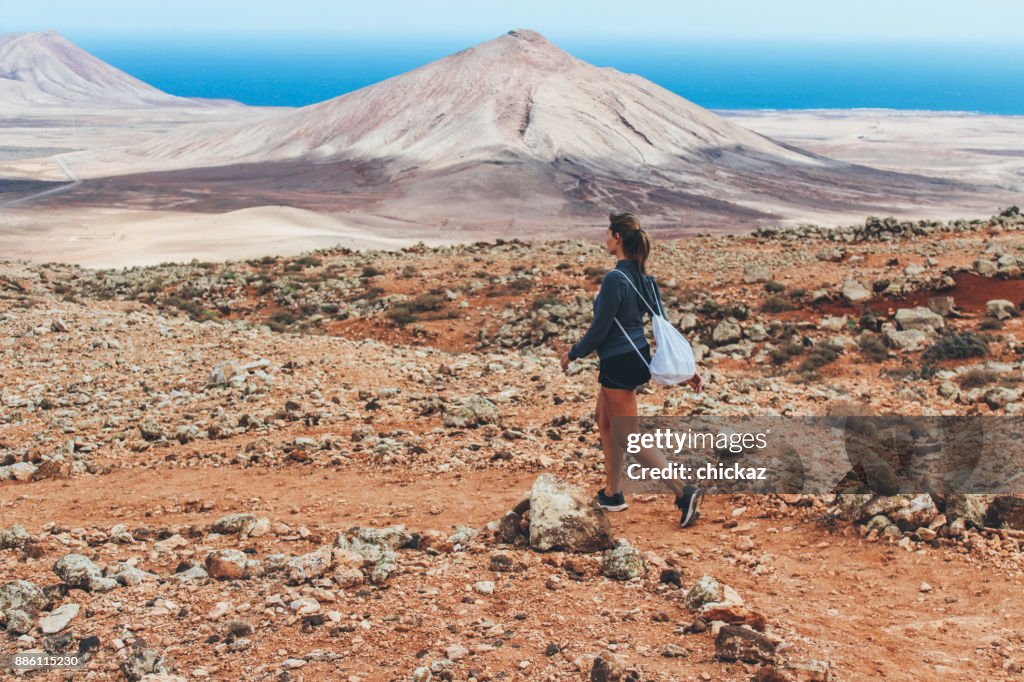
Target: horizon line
pixel 476 36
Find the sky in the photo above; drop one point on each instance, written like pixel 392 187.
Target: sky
pixel 929 21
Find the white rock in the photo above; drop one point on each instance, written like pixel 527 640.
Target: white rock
pixel 58 619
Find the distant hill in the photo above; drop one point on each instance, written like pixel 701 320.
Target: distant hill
pixel 47 70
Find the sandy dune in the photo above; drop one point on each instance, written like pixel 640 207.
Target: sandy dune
pixel 115 238
pixel 970 147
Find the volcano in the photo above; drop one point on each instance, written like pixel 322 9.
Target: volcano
pixel 514 129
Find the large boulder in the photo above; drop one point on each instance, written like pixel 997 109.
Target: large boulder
pixel 712 600
pixel 21 595
pixel 309 566
pixel 804 671
pixel 231 564
pixel 394 537
pixel 1006 511
pixel 565 517
pixel 143 663
pixel 78 571
pixel 918 512
pixel 475 410
pixel 727 331
pixel 376 547
pixel 970 510
pixel 15 537
pixel 1000 308
pixel 737 643
pixel 58 619
pixel 623 562
pixel 919 318
pixel 234 524
pixel 855 292
pixel 905 339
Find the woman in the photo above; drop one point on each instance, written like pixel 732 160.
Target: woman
pixel 621 369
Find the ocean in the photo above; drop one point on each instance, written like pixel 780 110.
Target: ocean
pixel 720 75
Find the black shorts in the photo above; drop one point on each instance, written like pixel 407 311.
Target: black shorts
pixel 625 370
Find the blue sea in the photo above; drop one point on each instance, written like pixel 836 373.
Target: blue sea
pixel 296 72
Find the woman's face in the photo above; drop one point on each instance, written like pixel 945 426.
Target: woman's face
pixel 612 241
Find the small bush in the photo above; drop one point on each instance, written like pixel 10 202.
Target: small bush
pixel 283 318
pixel 710 309
pixel 543 302
pixel 521 284
pixel 425 302
pixel 871 321
pixel 740 312
pixel 776 304
pixel 193 309
pixel 371 271
pixel 818 357
pixel 958 346
pixel 310 262
pixel 873 349
pixel 401 314
pixel 773 287
pixel 977 377
pixel 786 352
pixel 372 293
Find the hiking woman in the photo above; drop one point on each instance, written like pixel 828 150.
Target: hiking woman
pixel 624 361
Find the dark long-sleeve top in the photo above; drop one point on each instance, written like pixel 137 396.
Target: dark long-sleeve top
pixel 616 299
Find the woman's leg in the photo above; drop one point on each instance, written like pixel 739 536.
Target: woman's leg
pixel 617 402
pixel 604 425
pixel 620 404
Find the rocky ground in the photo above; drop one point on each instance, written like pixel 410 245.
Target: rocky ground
pixel 369 466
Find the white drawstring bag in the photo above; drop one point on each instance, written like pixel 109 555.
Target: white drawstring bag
pixel 673 361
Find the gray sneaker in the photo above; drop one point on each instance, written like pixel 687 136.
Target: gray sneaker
pixel 688 503
pixel 616 502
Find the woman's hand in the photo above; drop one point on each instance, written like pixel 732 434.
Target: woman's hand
pixel 565 361
pixel 696 383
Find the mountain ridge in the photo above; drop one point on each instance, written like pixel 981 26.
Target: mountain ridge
pixel 45 69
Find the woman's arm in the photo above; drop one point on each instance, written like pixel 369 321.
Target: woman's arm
pixel 608 300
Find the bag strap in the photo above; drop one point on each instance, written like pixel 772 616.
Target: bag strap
pixel 653 311
pixel 623 329
pixel 642 358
